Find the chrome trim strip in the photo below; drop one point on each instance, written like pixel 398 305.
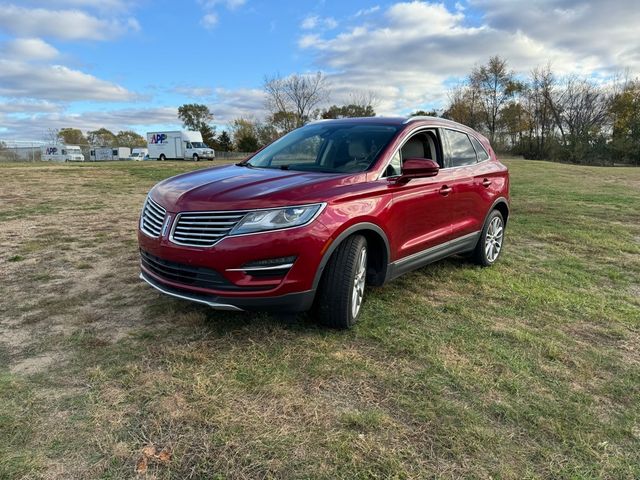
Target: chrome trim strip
pixel 260 269
pixel 408 258
pixel 217 306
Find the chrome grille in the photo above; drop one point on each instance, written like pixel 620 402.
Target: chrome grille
pixel 152 218
pixel 204 229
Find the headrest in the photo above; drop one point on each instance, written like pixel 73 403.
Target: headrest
pixel 357 149
pixel 414 148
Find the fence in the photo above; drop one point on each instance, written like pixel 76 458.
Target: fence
pixel 20 151
pixel 26 151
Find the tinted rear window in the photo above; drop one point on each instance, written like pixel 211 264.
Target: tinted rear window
pixel 460 148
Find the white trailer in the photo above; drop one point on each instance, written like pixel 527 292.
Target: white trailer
pixel 178 145
pixel 98 154
pixel 62 153
pixel 139 154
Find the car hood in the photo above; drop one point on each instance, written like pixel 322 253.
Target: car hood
pixel 233 187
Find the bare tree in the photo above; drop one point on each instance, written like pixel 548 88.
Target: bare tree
pixel 581 109
pixel 495 85
pixel 464 106
pixel 538 99
pixel 364 99
pixel 295 97
pixel 52 135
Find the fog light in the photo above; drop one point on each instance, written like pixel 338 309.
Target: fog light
pixel 281 262
pixel 268 267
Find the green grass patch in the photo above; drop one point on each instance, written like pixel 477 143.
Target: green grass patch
pixel 528 369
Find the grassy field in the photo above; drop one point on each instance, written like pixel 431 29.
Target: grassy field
pixel 530 369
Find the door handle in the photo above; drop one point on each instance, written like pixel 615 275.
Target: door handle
pixel 486 183
pixel 445 190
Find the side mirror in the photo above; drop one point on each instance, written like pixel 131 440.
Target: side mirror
pixel 417 168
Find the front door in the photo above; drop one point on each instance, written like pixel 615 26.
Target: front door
pixel 420 216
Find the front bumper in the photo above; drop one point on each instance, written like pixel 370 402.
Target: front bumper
pixel 293 302
pixel 220 276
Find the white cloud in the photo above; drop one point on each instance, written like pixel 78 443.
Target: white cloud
pixel 210 17
pixel 192 91
pixel 410 52
pixel 100 5
pixel 209 21
pixel 312 22
pixel 12 105
pixel 62 24
pixel 367 11
pixel 35 126
pixel 29 49
pixel 56 83
pixel 231 104
pixel 230 4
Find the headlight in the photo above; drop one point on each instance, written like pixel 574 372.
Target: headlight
pixel 265 220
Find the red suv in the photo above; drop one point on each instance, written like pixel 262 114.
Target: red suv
pixel 323 211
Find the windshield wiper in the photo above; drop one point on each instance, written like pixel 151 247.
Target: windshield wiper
pixel 284 167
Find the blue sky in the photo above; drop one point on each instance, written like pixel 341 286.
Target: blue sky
pixel 130 63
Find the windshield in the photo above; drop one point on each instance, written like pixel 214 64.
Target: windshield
pixel 332 148
pixel 135 154
pixel 198 145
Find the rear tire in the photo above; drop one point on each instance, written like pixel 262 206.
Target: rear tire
pixel 342 285
pixel 491 240
pixel 162 158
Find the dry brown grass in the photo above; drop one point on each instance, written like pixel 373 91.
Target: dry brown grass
pixel 527 370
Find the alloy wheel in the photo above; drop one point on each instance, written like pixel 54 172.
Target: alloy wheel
pixel 493 241
pixel 358 282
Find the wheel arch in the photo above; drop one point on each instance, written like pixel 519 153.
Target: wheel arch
pixel 379 252
pixel 502 205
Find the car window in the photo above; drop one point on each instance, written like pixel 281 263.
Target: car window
pixel 395 166
pixel 480 151
pixel 461 150
pixel 424 144
pixel 327 147
pixel 305 151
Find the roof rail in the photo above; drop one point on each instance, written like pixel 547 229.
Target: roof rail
pixel 426 117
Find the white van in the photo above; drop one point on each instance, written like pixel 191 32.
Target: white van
pixel 180 145
pixel 139 154
pixel 97 154
pixel 62 153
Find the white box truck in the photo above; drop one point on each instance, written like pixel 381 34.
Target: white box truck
pixel 62 153
pixel 139 154
pixel 179 145
pixel 98 154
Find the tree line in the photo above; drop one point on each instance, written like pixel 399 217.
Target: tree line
pixel 545 116
pixel 291 101
pixel 540 115
pixel 100 137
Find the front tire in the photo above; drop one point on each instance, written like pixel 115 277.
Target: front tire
pixel 491 240
pixel 342 286
pixel 196 158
